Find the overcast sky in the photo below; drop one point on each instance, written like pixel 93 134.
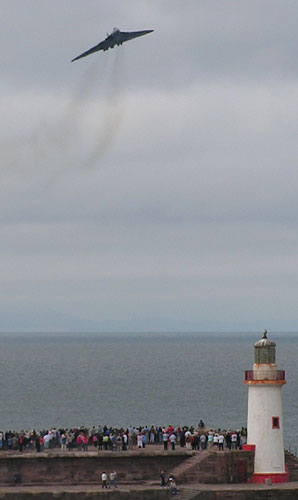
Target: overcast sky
pixel 152 186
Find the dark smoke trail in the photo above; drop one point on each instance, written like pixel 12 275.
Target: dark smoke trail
pixel 51 137
pixel 54 141
pixel 82 95
pixel 113 111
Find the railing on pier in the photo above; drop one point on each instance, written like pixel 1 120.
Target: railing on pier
pixel 265 375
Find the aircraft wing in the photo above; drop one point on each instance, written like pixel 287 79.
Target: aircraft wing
pixel 100 46
pixel 125 36
pixel 116 38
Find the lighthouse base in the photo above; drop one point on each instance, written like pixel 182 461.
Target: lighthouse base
pixel 281 477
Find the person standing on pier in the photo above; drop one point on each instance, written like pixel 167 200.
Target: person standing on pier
pixel 220 442
pixel 113 479
pixel 139 440
pixel 173 440
pixel 104 479
pixel 162 479
pixel 165 438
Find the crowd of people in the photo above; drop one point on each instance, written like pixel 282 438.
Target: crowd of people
pixel 109 438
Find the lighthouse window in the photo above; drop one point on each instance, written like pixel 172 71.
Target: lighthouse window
pixel 275 422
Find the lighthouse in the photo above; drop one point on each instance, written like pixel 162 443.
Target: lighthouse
pixel 264 417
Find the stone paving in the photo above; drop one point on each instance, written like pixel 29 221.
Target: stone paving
pixel 150 486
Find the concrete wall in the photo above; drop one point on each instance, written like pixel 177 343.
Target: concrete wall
pixel 233 467
pixel 81 468
pixel 78 469
pixel 216 468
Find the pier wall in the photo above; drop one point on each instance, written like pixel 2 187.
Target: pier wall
pixel 77 477
pixel 82 468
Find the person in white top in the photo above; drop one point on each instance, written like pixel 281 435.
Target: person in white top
pixel 234 440
pixel 215 440
pixel 165 438
pixel 104 479
pixel 187 435
pixel 139 440
pixel 113 479
pixel 220 442
pixel 173 440
pixel 173 487
pixel 46 440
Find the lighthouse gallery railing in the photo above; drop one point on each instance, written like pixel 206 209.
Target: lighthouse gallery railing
pixel 265 375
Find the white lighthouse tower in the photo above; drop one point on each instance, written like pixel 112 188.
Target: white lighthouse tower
pixel 265 419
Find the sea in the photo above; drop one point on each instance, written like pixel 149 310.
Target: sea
pixel 121 379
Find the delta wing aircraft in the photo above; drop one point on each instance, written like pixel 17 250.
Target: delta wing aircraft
pixel 117 37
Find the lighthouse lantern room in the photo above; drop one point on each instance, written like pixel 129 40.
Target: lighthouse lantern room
pixel 265 419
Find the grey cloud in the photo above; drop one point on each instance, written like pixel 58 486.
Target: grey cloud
pixel 236 158
pixel 164 195
pixel 248 40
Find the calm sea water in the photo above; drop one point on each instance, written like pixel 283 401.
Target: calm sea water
pixel 137 379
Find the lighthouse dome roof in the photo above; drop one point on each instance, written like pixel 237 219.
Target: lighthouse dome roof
pixel 265 350
pixel 264 341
